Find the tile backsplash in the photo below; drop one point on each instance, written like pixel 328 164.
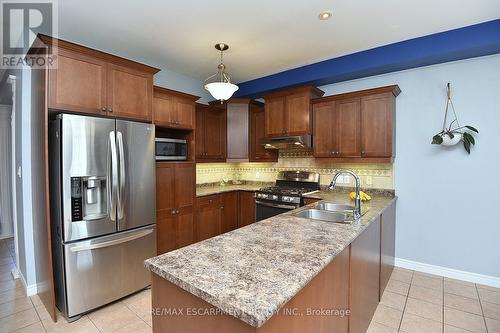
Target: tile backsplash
pixel 372 175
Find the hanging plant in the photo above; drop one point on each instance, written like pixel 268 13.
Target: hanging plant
pixel 453 133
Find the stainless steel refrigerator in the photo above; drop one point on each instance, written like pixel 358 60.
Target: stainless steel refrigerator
pixel 102 194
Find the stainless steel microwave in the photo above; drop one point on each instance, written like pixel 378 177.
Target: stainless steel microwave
pixel 170 149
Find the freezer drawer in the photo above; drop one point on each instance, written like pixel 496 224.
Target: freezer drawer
pixel 104 269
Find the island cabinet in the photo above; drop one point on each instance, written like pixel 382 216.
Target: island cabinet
pixel 288 112
pixel 387 245
pixel 365 278
pixel 175 201
pixel 355 127
pixel 257 153
pixel 173 109
pixel 88 81
pixel 210 133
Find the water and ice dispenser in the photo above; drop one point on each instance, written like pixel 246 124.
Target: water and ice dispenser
pixel 88 198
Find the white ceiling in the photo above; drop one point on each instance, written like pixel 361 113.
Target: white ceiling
pixel 265 36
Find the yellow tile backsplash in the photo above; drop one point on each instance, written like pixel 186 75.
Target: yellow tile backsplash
pixel 372 175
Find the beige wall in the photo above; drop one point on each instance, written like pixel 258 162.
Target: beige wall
pixel 372 175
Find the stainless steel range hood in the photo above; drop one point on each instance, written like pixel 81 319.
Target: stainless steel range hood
pixel 288 142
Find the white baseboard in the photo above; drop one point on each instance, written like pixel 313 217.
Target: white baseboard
pixel 30 289
pixel 449 272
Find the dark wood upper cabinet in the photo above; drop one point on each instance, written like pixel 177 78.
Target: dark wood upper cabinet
pixel 130 93
pixel 78 84
pixel 257 153
pixel 288 112
pixel 324 135
pixel 275 116
pixel 210 133
pixel 347 127
pixel 377 125
pixel 175 201
pixel 84 80
pixel 355 127
pixel 173 109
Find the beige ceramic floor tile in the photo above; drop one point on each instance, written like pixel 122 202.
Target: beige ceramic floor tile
pixel 380 328
pixel 6 276
pixel 138 327
pixel 113 317
pixel 6 268
pixel 401 269
pixel 18 320
pixel 14 306
pixel 387 316
pixel 415 324
pixel 397 287
pixel 393 300
pixel 82 325
pixel 464 320
pixel 465 283
pixel 460 289
pixel 462 303
pixel 35 328
pixel 403 276
pixel 453 329
pixel 36 300
pixel 428 275
pixel 42 312
pixel 424 309
pixel 140 304
pixel 426 294
pixel 10 284
pixel 427 282
pixel 489 296
pixel 482 286
pixel 493 325
pixel 12 294
pixel 491 310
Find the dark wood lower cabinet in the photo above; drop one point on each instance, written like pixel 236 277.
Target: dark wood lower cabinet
pixel 185 229
pixel 365 278
pixel 208 217
pixel 387 245
pixel 230 210
pixel 247 208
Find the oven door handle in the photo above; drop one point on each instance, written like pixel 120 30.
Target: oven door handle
pixel 267 204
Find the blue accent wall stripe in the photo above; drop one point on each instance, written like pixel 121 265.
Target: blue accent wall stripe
pixel 468 42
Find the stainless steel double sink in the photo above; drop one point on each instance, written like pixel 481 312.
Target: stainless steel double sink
pixel 330 212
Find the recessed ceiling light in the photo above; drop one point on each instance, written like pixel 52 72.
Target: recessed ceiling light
pixel 324 15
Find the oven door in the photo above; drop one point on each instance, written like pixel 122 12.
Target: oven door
pixel 267 209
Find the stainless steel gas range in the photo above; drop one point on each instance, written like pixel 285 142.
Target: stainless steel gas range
pixel 286 195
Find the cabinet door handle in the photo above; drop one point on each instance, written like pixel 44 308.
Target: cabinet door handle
pixel 103 109
pixel 110 109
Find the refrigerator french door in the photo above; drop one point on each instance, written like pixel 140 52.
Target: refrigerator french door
pixel 102 178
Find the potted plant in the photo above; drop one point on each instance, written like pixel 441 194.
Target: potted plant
pixel 453 133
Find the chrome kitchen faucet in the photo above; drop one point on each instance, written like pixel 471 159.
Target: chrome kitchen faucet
pixel 357 200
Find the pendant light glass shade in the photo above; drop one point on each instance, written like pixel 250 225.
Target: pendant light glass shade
pixel 222 89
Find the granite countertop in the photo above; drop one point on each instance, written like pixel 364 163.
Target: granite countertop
pixel 251 272
pixel 204 190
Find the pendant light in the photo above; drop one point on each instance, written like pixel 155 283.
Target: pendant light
pixel 222 89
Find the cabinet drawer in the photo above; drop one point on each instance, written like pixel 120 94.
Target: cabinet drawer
pixel 209 201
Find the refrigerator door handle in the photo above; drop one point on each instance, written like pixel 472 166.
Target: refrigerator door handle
pixel 121 199
pixel 113 167
pixel 128 238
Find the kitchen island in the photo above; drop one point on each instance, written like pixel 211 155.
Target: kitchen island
pixel 281 274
